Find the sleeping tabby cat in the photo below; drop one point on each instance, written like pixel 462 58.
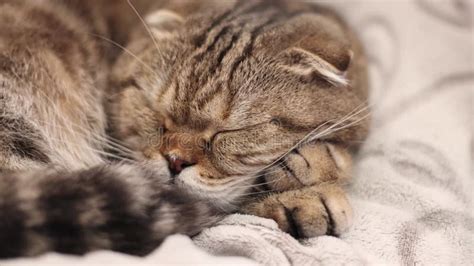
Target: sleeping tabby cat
pixel 212 107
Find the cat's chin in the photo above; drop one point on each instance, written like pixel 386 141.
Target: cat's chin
pixel 224 197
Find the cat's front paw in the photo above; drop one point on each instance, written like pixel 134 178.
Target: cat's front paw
pixel 309 165
pixel 309 212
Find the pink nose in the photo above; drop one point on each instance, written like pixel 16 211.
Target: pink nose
pixel 176 164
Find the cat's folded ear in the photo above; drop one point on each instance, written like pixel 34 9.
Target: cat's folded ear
pixel 316 47
pixel 310 64
pixel 164 22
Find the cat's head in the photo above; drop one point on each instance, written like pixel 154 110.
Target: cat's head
pixel 224 94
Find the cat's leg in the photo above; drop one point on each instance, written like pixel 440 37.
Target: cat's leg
pixel 305 195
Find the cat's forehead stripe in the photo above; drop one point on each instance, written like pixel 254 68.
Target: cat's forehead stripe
pixel 227 41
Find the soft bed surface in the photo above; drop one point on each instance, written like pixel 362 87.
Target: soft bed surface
pixel 413 185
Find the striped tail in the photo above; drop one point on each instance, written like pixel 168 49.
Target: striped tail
pixel 125 208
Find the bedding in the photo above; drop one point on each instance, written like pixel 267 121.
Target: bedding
pixel 412 190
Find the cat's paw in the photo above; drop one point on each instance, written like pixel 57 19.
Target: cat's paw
pixel 309 165
pixel 308 212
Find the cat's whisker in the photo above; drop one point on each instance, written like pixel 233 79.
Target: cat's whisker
pixel 259 184
pixel 126 51
pixel 273 169
pixel 286 153
pixel 325 132
pixel 334 128
pixel 71 127
pixel 87 134
pixel 145 24
pixel 313 135
pixel 102 139
pixel 48 140
pixel 340 124
pixel 254 177
pixel 70 143
pixel 353 123
pixel 118 146
pixel 259 193
pixel 265 183
pixel 101 152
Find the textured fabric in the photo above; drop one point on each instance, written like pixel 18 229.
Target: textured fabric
pixel 413 186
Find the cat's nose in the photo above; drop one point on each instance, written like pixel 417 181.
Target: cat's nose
pixel 176 164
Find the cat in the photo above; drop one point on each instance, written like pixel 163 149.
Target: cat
pixel 227 94
pixel 212 107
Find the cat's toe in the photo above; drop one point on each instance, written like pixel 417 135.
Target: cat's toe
pixel 304 223
pixel 338 211
pixel 306 213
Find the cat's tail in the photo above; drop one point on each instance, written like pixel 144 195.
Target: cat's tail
pixel 125 208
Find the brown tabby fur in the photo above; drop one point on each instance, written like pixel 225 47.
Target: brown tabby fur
pixel 249 101
pixel 236 77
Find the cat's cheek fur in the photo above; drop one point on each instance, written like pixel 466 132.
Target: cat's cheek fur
pixel 224 196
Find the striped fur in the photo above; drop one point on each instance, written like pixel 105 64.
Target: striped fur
pixel 123 208
pixel 57 191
